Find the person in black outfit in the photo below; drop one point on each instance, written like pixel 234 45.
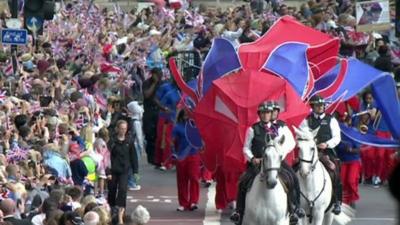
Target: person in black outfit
pixel 151 108
pixel 123 157
pixel 327 138
pixel 257 137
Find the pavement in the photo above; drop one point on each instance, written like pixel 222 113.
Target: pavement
pixel 159 196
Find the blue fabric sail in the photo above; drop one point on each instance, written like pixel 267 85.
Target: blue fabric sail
pixel 221 59
pixel 359 76
pixel 385 95
pixel 292 67
pixel 367 139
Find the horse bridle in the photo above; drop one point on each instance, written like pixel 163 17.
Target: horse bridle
pixel 268 169
pixel 313 164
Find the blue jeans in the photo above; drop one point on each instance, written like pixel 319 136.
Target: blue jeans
pixel 132 180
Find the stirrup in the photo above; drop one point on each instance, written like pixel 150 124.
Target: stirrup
pixel 300 212
pixel 235 217
pixel 293 220
pixel 336 209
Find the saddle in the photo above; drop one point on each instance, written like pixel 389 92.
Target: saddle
pixel 286 180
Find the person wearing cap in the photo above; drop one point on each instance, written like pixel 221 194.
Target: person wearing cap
pixel 286 169
pixel 327 138
pixel 253 148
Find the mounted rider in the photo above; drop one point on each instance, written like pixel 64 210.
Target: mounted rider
pixel 327 138
pixel 257 137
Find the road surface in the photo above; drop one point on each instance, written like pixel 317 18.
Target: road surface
pixel 159 196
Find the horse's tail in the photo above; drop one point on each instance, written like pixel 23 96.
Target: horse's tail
pixel 345 216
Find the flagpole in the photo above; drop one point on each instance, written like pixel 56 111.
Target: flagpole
pixel 14 14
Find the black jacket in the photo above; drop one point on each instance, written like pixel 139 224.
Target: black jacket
pixel 15 221
pixel 123 155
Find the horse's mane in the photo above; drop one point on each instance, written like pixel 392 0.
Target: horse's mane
pixel 304 134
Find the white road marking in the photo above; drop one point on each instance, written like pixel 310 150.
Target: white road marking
pixel 175 220
pixel 374 219
pixel 211 216
pixel 150 196
pixel 163 196
pixel 151 200
pixel 129 197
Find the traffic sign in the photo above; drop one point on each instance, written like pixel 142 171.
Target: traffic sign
pixel 14 36
pixel 13 23
pixel 34 23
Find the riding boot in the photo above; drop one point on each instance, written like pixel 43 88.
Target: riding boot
pixel 237 215
pixel 294 191
pixel 338 188
pixel 246 180
pixel 338 196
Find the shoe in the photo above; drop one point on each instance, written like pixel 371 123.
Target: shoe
pixel 300 212
pixel 193 207
pixel 135 188
pixel 336 209
pixel 293 220
pixel 162 168
pixel 368 181
pixel 180 209
pixel 235 217
pixel 375 181
pixel 219 211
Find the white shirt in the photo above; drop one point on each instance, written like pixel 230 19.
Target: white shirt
pixel 233 36
pixel 285 148
pixel 335 129
pixel 38 219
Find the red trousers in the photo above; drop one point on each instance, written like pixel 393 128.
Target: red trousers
pixel 226 187
pixel 367 160
pixel 377 161
pixel 350 175
pixel 163 142
pixel 388 163
pixel 188 176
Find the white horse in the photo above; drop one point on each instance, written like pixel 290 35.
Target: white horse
pixel 316 185
pixel 266 202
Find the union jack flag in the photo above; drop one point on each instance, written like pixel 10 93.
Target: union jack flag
pixel 101 101
pixel 26 85
pixel 35 106
pixel 3 95
pixel 8 69
pixel 79 122
pixel 16 153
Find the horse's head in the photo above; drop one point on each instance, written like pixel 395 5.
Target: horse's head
pixel 308 153
pixel 272 161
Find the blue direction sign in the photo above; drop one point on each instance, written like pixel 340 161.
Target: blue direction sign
pixel 14 36
pixel 34 23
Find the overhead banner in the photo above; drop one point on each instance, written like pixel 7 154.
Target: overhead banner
pixel 373 15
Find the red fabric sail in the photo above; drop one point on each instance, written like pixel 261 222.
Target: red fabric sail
pixel 230 107
pixel 287 29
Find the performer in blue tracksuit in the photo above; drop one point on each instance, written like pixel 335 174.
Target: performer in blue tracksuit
pixel 187 166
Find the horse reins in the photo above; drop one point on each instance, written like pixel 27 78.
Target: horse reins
pixel 313 164
pixel 312 202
